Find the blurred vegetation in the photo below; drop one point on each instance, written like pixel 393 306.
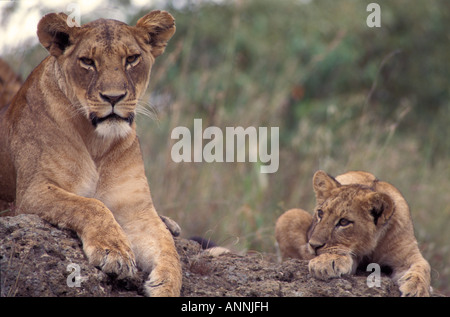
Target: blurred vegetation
pixel 345 96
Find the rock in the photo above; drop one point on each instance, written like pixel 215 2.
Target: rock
pixel 257 275
pixel 38 259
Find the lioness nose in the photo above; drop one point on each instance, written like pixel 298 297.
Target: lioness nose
pixel 113 99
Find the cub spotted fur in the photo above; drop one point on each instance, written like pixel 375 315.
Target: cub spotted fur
pixel 357 220
pixel 69 151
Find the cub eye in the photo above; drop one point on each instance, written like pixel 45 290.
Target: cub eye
pixel 344 222
pixel 87 61
pixel 132 59
pixel 320 213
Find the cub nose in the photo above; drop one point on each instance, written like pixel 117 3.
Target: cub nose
pixel 316 245
pixel 113 98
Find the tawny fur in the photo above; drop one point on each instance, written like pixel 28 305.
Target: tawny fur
pixel 358 219
pixel 10 84
pixel 69 151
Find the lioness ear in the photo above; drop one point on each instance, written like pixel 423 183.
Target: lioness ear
pixel 323 184
pixel 54 33
pixel 159 26
pixel 381 207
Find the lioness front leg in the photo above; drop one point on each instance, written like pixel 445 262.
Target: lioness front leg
pixel 104 242
pixel 151 241
pixel 155 252
pixel 329 265
pixel 108 248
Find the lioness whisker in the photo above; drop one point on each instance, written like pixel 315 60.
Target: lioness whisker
pixel 147 109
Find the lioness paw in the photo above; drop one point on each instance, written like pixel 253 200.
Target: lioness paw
pixel 413 285
pixel 112 254
pixel 164 281
pixel 326 266
pixel 171 225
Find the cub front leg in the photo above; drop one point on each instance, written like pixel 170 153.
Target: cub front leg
pixel 329 265
pixel 415 282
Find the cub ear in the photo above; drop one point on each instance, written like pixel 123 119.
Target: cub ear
pixel 54 33
pixel 381 208
pixel 323 184
pixel 160 27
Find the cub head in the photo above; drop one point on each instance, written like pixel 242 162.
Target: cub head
pixel 348 219
pixel 105 64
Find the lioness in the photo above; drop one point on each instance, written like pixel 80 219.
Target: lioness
pixel 69 151
pixel 358 220
pixel 10 83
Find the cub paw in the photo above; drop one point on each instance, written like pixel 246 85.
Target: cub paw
pixel 111 253
pixel 413 285
pixel 326 266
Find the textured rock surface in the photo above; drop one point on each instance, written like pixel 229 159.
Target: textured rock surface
pixel 34 260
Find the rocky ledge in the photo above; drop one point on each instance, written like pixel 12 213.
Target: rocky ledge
pixel 38 259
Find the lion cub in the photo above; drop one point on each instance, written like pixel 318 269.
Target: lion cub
pixel 69 151
pixel 358 219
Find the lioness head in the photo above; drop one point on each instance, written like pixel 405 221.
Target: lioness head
pixel 105 64
pixel 348 219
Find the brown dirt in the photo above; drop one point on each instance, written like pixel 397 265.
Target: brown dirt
pixel 34 256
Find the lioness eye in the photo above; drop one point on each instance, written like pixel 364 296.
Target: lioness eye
pixel 344 222
pixel 87 61
pixel 133 58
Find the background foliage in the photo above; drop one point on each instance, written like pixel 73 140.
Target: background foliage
pixel 345 96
